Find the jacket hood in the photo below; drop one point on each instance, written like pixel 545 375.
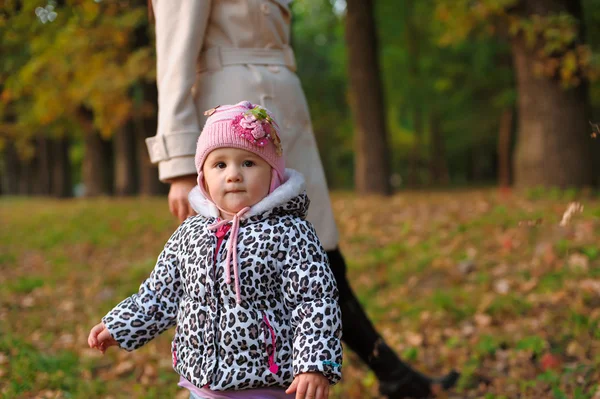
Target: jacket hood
pixel 288 199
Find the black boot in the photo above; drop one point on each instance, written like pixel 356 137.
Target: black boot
pixel 401 381
pixel 396 379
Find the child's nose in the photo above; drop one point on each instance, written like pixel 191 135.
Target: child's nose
pixel 234 175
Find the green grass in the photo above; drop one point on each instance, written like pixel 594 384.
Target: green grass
pixel 63 264
pixel 31 370
pixel 23 285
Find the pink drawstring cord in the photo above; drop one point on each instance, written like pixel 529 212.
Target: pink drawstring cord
pixel 232 249
pixel 232 252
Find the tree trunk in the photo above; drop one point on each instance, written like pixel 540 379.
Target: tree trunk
pixel 11 169
pixel 553 147
pixel 97 161
pixel 97 169
pixel 147 172
pixel 417 163
pixel 44 155
pixel 145 126
pixel 504 136
pixel 477 164
pixel 438 164
pixel 125 163
pixel 366 100
pixel 414 166
pixel 61 169
pixel 27 176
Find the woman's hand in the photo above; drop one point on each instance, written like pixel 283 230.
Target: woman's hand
pixel 310 386
pixel 179 205
pixel 100 338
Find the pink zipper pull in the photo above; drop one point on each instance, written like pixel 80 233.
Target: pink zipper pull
pixel 273 367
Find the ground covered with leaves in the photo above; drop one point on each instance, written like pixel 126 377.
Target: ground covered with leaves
pixel 486 282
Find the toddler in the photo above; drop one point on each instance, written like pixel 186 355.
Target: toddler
pixel 246 281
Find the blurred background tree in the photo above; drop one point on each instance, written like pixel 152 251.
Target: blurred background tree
pixel 75 82
pixel 554 66
pixel 472 92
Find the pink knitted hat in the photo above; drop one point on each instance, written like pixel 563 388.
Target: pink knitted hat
pixel 245 126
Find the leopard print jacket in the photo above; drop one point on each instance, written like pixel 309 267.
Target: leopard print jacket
pixel 288 321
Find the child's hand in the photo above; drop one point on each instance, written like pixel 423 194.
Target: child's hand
pixel 100 338
pixel 310 386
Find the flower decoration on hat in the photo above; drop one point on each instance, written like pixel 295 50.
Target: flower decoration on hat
pixel 257 126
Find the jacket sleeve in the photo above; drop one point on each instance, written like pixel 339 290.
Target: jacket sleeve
pixel 143 316
pixel 180 30
pixel 310 291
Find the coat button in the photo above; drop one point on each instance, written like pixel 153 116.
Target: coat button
pixel 264 7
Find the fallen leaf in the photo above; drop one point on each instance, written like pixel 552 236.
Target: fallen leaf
pixel 468 329
pixel 507 244
pixel 500 270
pixel 471 252
pixel 579 262
pixel 576 350
pixel 574 207
pixel 67 306
pixel 466 267
pixel 592 286
pixel 502 286
pixel 529 285
pixel 482 319
pixel 28 301
pixel 550 362
pixel 124 368
pixel 414 339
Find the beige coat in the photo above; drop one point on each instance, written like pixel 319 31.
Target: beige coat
pixel 212 52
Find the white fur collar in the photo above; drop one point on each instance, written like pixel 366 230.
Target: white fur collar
pixel 293 186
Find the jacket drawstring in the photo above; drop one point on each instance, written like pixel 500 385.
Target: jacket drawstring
pixel 273 367
pixel 232 250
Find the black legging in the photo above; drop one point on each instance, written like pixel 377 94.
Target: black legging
pixel 358 331
pixel 396 379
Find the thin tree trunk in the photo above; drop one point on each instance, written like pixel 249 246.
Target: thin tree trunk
pixel 11 169
pixel 414 168
pixel 477 158
pixel 61 169
pixel 93 172
pixel 27 177
pixel 125 162
pixel 414 178
pixel 44 155
pixel 147 172
pixel 97 161
pixel 438 164
pixel 553 147
pixel 366 100
pixel 504 143
pixel 145 126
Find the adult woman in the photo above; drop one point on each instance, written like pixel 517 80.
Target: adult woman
pixel 226 51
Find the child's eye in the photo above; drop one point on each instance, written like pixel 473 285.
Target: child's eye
pixel 220 165
pixel 248 164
